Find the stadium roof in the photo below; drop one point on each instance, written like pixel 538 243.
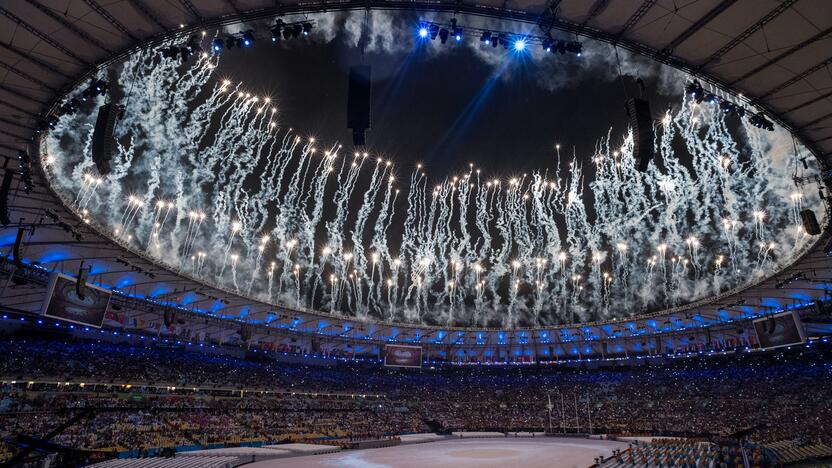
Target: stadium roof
pixel 774 52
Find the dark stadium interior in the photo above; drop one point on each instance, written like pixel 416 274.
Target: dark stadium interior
pixel 395 234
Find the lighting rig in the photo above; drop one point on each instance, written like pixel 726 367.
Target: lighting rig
pixel 63 225
pixel 280 31
pixel 25 168
pixel 788 280
pixel 490 37
pixel 135 268
pixel 699 95
pixel 182 53
pixel 97 87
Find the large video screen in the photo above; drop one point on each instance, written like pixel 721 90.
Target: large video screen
pixel 62 302
pixel 402 356
pixel 779 330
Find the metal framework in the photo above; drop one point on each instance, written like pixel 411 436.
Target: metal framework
pixel 795 79
pixel 698 24
pixel 637 15
pixel 33 59
pixel 596 9
pixel 148 13
pixel 20 94
pixel 43 37
pixel 27 76
pixel 808 103
pixel 782 55
pixel 15 107
pixel 69 26
pixel 779 9
pixel 111 19
pixel 192 9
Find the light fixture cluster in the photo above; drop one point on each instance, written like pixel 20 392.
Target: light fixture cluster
pixel 182 53
pixel 97 87
pixel 280 31
pixel 245 39
pixel 508 40
pixel 283 31
pixel 25 170
pixel 699 95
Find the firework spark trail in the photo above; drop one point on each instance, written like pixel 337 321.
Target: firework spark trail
pixel 534 249
pixel 378 246
pixel 134 206
pixel 294 208
pixel 307 238
pixel 91 184
pixel 380 173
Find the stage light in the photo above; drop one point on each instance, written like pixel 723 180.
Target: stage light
pixel 443 35
pixel 760 121
pixel 520 45
pixel 547 45
pixel 486 38
pixel 457 31
pixel 99 87
pixel 695 89
pixel 216 45
pixel 434 31
pixel 502 40
pixel 169 52
pixel 575 48
pixel 306 28
pixel 423 32
pixel 248 39
pixel 276 30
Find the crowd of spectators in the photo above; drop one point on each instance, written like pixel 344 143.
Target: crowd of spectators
pixel 777 395
pixel 683 453
pixel 163 421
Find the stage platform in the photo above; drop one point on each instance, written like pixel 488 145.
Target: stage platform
pixel 549 452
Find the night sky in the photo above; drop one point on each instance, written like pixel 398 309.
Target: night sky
pixel 444 110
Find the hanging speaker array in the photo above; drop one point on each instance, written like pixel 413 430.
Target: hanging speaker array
pixel 642 124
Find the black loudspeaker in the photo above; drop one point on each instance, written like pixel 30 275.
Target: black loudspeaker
pixel 5 190
pixel 810 222
pixel 358 103
pixel 80 285
pixel 245 332
pixel 170 317
pixel 641 122
pixel 102 137
pixel 17 252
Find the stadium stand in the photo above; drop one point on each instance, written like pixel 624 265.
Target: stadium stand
pixel 179 462
pixel 683 453
pixel 147 398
